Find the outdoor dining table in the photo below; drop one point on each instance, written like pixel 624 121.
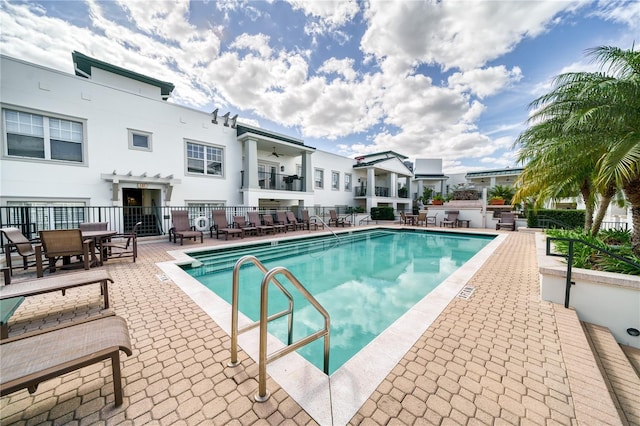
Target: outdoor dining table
pixel 412 218
pixel 98 238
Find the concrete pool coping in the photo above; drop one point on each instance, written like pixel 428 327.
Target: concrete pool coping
pixel 335 399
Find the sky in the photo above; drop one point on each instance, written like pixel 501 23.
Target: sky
pixel 447 79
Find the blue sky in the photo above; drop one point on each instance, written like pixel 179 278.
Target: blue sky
pixel 428 79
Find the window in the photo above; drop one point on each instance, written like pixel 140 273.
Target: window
pixel 347 181
pixel 204 159
pixel 49 215
pixel 319 178
pixel 139 140
pixel 37 136
pixel 335 181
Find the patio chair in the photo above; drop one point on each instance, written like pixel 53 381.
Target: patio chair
pixel 308 222
pixel 334 220
pixel 450 219
pixel 123 245
pixel 422 218
pixel 221 226
pixel 403 218
pixel 31 358
pixel 507 221
pixel 22 245
pixel 94 226
pixel 63 244
pixel 428 219
pixel 241 223
pixel 254 220
pixel 182 229
pixel 268 220
pixel 293 220
pixel 282 220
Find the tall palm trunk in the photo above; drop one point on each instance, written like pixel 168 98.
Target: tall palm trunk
pixel 587 197
pixel 605 201
pixel 632 191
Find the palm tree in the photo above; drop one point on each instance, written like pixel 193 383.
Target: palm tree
pixel 594 119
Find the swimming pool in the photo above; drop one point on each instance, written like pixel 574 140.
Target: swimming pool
pixel 366 280
pixel 330 399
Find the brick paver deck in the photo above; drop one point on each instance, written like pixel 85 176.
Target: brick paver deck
pixel 495 358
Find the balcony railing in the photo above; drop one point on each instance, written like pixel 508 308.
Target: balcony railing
pixel 279 181
pixel 380 191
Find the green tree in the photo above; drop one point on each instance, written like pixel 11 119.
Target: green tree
pixel 585 138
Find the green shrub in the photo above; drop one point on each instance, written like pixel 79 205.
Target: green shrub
pixel 560 218
pixel 587 257
pixel 382 213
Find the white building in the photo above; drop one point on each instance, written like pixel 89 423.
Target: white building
pixel 107 136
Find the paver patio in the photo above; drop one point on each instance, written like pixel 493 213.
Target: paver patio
pixel 496 358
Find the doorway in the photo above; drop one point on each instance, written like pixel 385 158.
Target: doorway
pixel 142 205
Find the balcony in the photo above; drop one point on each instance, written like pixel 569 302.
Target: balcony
pixel 279 182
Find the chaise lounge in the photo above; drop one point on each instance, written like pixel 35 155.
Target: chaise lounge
pixel 181 228
pixel 28 359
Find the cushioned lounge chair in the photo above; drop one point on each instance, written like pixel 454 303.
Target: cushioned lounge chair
pixel 291 218
pixel 307 222
pixel 450 219
pixel 123 245
pixel 221 226
pixel 507 221
pixel 268 221
pixel 254 220
pixel 181 228
pixel 281 217
pixel 31 358
pixel 241 223
pixel 64 244
pixel 337 221
pixel 15 240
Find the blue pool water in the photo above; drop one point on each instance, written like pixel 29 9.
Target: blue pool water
pixel 366 281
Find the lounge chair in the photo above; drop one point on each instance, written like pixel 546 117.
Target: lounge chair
pixel 63 244
pixel 122 245
pixel 31 358
pixel 422 218
pixel 241 223
pixel 254 220
pixel 268 221
pixel 282 220
pixel 507 221
pixel 61 282
pixel 291 218
pixel 221 226
pixel 22 245
pixel 337 221
pixel 307 222
pixel 181 228
pixel 450 219
pixel 428 220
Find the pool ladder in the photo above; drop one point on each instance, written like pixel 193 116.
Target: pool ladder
pixel 270 276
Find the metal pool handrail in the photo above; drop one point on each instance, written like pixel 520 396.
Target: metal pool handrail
pixel 234 307
pixel 269 277
pixel 325 225
pixel 262 394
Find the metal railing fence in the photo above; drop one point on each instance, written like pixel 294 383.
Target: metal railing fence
pixel 156 220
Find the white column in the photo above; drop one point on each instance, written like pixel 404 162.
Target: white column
pixel 250 180
pixel 371 183
pixel 307 171
pixel 393 190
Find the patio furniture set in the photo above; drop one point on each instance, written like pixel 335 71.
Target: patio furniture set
pixel 29 358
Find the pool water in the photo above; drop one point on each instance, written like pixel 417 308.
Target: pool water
pixel 366 281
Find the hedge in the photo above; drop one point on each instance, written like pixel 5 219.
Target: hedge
pixel 560 218
pixel 382 213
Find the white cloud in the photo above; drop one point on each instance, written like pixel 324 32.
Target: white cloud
pixel 331 13
pixel 484 82
pixel 464 35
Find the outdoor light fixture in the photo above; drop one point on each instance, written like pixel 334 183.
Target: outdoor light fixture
pixel 282 168
pixel 633 332
pixel 214 120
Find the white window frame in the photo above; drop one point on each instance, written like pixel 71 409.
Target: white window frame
pixel 348 182
pixel 206 147
pixel 148 135
pixel 335 180
pixel 318 183
pixel 48 120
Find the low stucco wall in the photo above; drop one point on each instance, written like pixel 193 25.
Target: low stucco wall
pixel 602 298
